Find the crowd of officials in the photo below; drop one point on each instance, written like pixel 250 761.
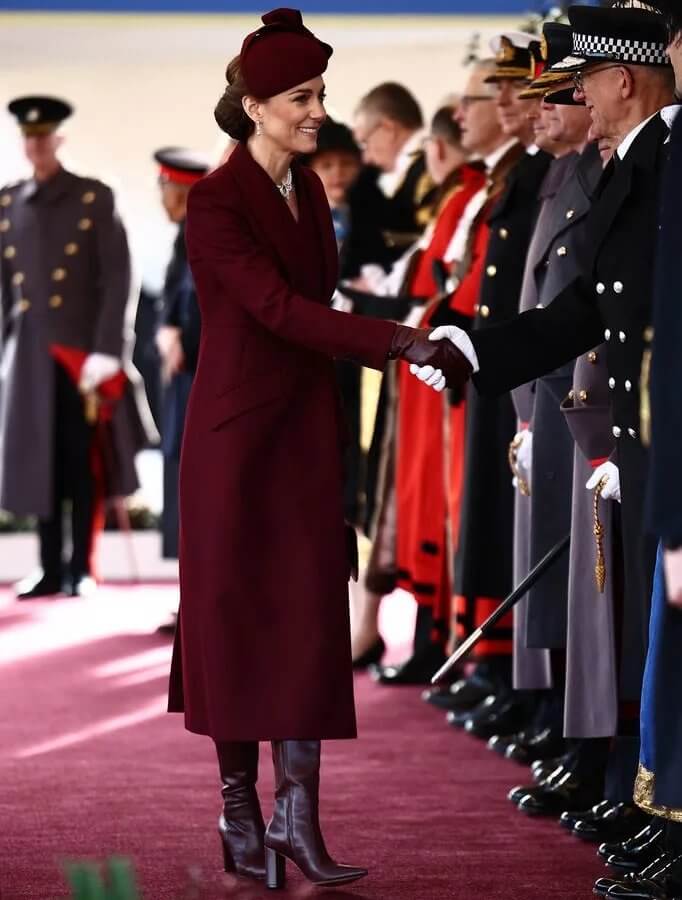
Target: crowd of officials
pixel 556 165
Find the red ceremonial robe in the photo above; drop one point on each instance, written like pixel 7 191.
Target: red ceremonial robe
pixel 430 440
pixel 263 641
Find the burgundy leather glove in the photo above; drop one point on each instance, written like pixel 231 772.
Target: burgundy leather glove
pixel 414 346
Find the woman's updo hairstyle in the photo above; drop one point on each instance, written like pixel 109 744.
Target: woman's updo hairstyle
pixel 229 113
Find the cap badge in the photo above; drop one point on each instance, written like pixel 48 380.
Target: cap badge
pixel 506 52
pixel 33 115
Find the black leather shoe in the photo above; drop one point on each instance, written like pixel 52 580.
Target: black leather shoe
pixel 83 586
pixel 603 886
pixel 457 718
pixel 542 768
pixel 517 794
pixel 498 743
pixel 621 820
pixel 418 669
pixel 506 715
pixel 569 791
pixel 569 818
pixel 662 880
pixel 545 744
pixel 372 656
pixel 637 852
pixel 461 696
pixel 38 585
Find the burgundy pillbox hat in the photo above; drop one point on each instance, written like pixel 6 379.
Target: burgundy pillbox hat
pixel 281 54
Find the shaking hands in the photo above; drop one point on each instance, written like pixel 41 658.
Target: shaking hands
pixel 442 358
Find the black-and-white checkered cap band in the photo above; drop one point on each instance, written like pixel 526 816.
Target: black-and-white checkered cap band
pixel 627 50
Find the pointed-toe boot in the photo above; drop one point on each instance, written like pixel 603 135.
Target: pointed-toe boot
pixel 294 831
pixel 241 824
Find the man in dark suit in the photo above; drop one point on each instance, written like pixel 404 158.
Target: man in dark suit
pixel 65 281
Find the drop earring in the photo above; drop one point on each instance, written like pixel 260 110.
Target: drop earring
pixel 259 128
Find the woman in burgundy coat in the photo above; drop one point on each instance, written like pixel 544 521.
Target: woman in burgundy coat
pixel 262 647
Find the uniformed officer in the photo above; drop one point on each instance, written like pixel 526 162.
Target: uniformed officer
pixel 65 276
pixel 179 329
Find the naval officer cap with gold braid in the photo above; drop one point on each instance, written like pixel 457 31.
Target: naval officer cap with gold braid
pixel 39 115
pixel 515 56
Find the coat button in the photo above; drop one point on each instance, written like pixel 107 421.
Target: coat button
pixel 485 311
pixel 71 249
pixel 632 432
pixel 59 274
pixel 570 213
pixel 615 431
pixel 492 271
pixel 55 301
pixel 85 225
pixel 23 305
pixel 571 395
pixel 504 233
pixel 612 383
pixel 592 356
pixel 648 334
pixel 628 385
pixel 4 224
pixel 601 287
pixel 622 336
pixel 18 278
pixel 562 251
pixel 582 395
pixel 607 334
pixel 539 306
pixel 89 197
pixel 10 252
pixel 618 287
pixel 5 200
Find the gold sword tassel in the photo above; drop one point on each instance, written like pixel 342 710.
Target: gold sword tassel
pixel 598 529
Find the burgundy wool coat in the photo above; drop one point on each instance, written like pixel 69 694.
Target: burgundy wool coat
pixel 262 647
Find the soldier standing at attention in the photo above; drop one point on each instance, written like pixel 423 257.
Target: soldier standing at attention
pixel 64 282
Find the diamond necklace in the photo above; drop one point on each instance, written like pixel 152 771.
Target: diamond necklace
pixel 286 187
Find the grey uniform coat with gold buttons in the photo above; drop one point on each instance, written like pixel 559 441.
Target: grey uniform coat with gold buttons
pixel 612 301
pixel 483 565
pixel 64 279
pixel 542 519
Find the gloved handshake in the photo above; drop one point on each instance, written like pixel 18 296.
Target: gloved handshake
pixel 435 356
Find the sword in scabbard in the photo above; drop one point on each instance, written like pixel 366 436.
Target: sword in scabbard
pixel 520 591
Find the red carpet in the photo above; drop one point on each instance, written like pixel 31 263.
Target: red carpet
pixel 91 766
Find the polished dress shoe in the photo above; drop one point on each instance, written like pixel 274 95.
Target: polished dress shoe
pixel 40 584
pixel 418 669
pixel 541 768
pixel 461 696
pixel 83 586
pixel 545 744
pixel 372 656
pixel 635 853
pixel 294 831
pixel 457 718
pixel 504 715
pixel 603 885
pixel 568 818
pixel 240 826
pixel 516 794
pixel 620 821
pixel 568 791
pixel 662 880
pixel 498 743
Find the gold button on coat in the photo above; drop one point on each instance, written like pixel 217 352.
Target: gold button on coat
pixel 648 334
pixel 571 395
pixel 622 337
pixel 601 287
pixel 570 213
pixel 18 278
pixel 10 252
pixel 85 225
pixel 618 287
pixel 562 251
pixel 89 197
pixel 59 275
pixel 55 301
pixel 582 396
pixel 23 305
pixel 492 271
pixel 632 432
pixel 71 249
pixel 607 334
pixel 4 225
pixel 592 356
pixel 615 431
pixel 485 311
pixel 5 200
pixel 504 234
pixel 628 385
pixel 612 383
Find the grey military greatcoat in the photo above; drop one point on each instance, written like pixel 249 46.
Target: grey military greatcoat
pixel 64 280
pixel 543 518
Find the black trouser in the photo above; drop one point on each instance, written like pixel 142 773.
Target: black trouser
pixel 73 480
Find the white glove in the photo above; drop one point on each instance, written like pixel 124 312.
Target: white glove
pixel 460 339
pixel 524 456
pixel 96 369
pixel 611 490
pixel 672 564
pixel 433 377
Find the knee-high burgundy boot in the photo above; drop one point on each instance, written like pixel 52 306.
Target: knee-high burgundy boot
pixel 241 823
pixel 294 830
